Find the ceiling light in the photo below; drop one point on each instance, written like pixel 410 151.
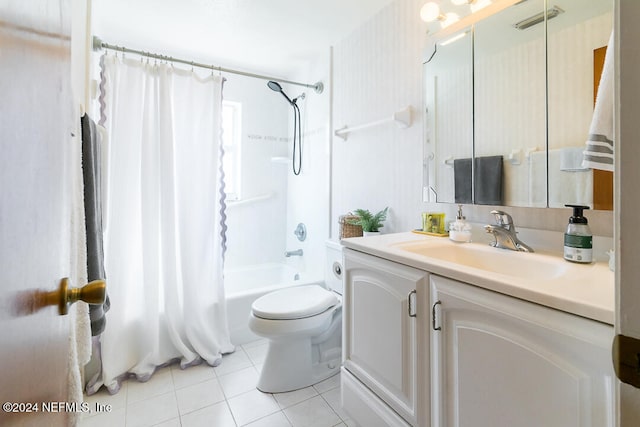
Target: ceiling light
pixel 430 12
pixel 449 19
pixel 476 5
pixel 538 18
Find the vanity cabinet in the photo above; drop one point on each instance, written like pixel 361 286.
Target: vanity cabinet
pixel 385 342
pixel 501 361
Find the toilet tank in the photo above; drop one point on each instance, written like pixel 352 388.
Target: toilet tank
pixel 333 266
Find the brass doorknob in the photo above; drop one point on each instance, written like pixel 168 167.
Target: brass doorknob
pixel 92 293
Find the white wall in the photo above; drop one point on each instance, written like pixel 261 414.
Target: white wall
pixel 256 231
pixel 378 70
pixel 308 193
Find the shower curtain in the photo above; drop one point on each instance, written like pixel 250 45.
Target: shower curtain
pixel 163 219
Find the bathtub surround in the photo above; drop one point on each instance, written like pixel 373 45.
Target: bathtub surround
pixel 256 222
pixel 163 243
pixel 308 194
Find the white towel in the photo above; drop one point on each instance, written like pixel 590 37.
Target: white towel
pixel 571 159
pixel 599 151
pixel 568 187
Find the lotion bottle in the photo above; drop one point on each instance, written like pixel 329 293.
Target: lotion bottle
pixel 460 229
pixel 578 240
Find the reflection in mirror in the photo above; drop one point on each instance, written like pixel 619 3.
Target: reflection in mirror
pixel 575 52
pixel 509 110
pixel 448 80
pixel 533 96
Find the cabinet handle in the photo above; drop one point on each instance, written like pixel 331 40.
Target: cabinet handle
pixel 433 317
pixel 409 308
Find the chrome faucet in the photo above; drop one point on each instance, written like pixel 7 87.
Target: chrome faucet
pixel 505 234
pixel 297 252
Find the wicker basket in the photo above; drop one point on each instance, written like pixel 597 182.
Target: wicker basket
pixel 347 229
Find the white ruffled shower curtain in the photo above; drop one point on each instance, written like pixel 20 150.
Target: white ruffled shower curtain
pixel 163 219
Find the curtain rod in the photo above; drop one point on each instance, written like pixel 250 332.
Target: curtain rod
pixel 98 44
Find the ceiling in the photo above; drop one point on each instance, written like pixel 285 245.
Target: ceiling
pixel 274 37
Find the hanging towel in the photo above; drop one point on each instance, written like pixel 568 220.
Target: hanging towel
pixel 599 151
pixel 488 180
pixel 91 173
pixel 571 159
pixel 462 180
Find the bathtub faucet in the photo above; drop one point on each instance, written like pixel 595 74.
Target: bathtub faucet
pixel 297 252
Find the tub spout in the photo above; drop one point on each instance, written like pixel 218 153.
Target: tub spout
pixel 297 252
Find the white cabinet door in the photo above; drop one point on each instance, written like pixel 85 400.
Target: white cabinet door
pixel 381 345
pixel 500 361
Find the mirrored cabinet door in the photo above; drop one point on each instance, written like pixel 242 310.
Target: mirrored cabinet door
pixel 449 108
pixel 510 107
pixel 576 43
pixel 509 102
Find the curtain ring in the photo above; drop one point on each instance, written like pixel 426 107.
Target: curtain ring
pixel 192 66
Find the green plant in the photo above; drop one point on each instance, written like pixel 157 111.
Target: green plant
pixel 368 221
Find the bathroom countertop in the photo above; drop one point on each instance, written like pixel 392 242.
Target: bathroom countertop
pixel 586 290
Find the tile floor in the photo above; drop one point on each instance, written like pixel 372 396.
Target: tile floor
pixel 224 396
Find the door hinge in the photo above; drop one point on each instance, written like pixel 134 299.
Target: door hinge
pixel 626 359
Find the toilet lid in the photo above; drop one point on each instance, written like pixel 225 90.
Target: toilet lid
pixel 294 303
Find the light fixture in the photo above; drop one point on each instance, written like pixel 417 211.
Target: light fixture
pixel 538 18
pixel 431 12
pixel 476 5
pixel 453 39
pixel 450 18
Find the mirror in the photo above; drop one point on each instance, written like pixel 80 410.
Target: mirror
pixel 448 82
pixel 576 42
pixel 532 96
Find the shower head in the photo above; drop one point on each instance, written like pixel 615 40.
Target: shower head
pixel 275 86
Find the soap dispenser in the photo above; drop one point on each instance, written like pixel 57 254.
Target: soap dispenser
pixel 460 229
pixel 578 240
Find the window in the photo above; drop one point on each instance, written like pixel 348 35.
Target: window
pixel 231 137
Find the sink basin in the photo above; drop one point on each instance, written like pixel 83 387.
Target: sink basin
pixel 484 257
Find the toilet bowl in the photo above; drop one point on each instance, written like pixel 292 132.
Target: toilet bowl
pixel 303 325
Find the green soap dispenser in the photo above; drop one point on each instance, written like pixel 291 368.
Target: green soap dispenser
pixel 578 240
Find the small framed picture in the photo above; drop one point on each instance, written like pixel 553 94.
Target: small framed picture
pixel 433 222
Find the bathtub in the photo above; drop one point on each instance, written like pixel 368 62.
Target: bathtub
pixel 244 285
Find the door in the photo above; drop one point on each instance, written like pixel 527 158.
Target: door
pixel 500 361
pixel 35 208
pixel 627 196
pixel 381 338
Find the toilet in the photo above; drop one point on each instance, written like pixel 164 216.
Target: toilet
pixel 303 325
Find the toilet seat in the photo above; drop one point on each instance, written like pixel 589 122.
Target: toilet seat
pixel 294 303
